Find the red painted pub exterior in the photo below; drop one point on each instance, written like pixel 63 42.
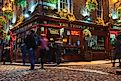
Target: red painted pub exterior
pixel 74 48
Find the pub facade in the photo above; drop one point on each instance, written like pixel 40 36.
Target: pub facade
pixel 76 46
pixel 68 20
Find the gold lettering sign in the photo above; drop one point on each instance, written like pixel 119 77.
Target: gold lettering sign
pixel 53 31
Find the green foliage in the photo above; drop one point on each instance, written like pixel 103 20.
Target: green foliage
pixel 53 1
pixel 8 14
pixel 3 21
pixel 91 6
pixel 21 3
pixel 119 12
pixel 17 2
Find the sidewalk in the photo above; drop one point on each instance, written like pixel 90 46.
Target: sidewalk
pixel 69 63
pixel 78 72
pixel 84 63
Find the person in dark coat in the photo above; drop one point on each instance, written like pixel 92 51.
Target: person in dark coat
pixel 58 49
pixel 31 46
pixel 23 51
pixel 6 52
pixel 6 57
pixel 117 51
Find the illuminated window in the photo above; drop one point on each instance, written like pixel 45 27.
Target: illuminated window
pixel 65 4
pixel 99 8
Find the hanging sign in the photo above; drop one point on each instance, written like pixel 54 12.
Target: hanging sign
pixel 53 31
pixel 75 32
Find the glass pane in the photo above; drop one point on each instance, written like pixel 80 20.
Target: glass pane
pixel 60 5
pixel 75 40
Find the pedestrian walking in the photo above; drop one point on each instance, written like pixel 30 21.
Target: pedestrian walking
pixel 23 51
pixel 31 46
pixel 50 52
pixel 6 52
pixel 58 49
pixel 117 51
pixel 44 49
pixel 1 49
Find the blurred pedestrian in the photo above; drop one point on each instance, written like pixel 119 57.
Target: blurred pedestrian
pixel 50 52
pixel 117 52
pixel 6 52
pixel 6 57
pixel 44 49
pixel 13 38
pixel 58 49
pixel 1 49
pixel 23 51
pixel 31 46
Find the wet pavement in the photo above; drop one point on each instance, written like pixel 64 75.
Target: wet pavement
pixel 72 71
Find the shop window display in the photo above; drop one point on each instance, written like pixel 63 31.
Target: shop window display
pixel 72 42
pixel 100 43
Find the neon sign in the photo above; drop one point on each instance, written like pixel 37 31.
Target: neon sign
pixel 75 33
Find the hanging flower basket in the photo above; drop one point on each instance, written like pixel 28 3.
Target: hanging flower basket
pixel 87 33
pixel 91 5
pixel 119 11
pixel 8 14
pixel 100 21
pixel 3 21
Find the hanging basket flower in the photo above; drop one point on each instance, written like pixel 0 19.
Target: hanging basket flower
pixel 3 21
pixel 91 5
pixel 63 13
pixel 8 14
pixel 87 33
pixel 100 21
pixel 71 17
pixel 119 11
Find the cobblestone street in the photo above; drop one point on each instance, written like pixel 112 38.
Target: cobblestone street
pixel 82 72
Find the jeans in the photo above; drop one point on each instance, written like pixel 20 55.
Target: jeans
pixel 32 57
pixel 24 51
pixel 43 52
pixel 58 56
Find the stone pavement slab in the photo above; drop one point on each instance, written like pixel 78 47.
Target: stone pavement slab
pixel 81 71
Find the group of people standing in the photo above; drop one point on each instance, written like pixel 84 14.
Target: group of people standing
pixel 32 43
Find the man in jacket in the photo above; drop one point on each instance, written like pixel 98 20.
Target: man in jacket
pixel 31 46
